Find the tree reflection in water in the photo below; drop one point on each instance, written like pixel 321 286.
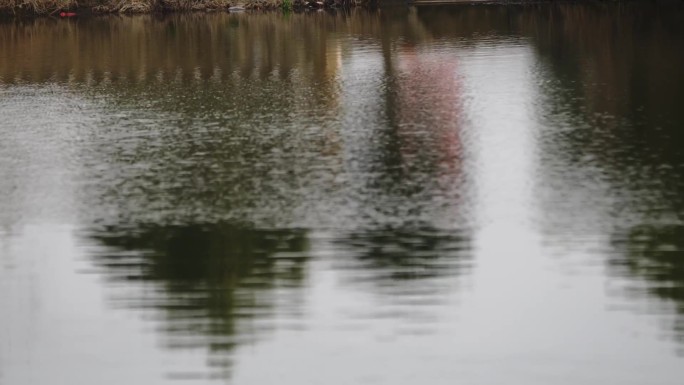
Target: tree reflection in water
pixel 218 286
pixel 275 135
pixel 213 285
pixel 652 257
pixel 410 271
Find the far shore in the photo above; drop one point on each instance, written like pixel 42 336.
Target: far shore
pixel 73 8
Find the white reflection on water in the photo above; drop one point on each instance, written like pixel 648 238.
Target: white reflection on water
pixel 58 325
pixel 521 319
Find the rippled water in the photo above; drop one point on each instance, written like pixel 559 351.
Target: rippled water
pixel 469 194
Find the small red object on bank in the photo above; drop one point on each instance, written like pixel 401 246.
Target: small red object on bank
pixel 67 14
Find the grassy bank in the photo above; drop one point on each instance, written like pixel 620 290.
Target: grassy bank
pixel 48 7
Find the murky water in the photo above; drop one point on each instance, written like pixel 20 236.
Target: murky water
pixel 467 194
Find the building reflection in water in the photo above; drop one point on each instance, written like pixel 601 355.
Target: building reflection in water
pixel 429 113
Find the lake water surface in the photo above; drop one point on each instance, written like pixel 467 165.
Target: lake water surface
pixel 470 194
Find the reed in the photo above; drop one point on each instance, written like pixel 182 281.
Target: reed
pixel 148 6
pixel 44 7
pixel 40 7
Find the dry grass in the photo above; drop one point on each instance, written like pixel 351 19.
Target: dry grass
pixel 147 6
pixel 41 7
pixel 263 4
pixel 135 6
pixel 300 4
pixel 195 5
pixel 44 7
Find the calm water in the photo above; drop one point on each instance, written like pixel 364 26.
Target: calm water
pixel 472 194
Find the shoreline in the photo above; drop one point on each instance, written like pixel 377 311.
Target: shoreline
pixel 10 9
pixel 73 8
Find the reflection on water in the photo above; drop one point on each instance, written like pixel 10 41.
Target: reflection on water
pixel 313 198
pixel 217 287
pixel 408 255
pixel 214 284
pixel 654 257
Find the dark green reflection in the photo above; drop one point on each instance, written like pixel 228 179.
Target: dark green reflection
pixel 614 110
pixel 217 286
pixel 400 258
pixel 214 285
pixel 618 88
pixel 653 258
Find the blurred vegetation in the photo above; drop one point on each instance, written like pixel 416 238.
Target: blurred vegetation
pixel 40 7
pixel 215 285
pixel 52 7
pixel 654 256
